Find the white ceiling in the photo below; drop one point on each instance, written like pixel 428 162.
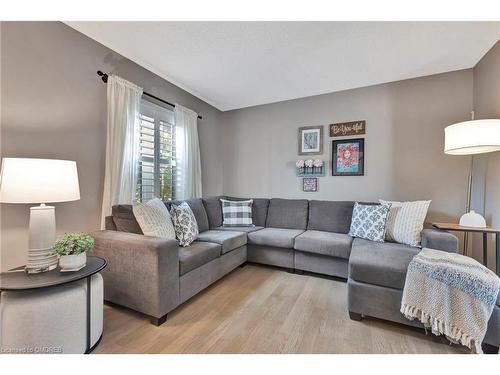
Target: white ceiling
pixel 239 64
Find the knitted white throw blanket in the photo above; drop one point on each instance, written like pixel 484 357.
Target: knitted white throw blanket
pixel 452 294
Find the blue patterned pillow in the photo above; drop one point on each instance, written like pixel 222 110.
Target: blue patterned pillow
pixel 368 221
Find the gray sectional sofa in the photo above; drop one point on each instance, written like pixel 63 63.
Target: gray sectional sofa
pixel 154 275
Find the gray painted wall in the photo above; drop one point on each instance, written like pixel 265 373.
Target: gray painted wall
pixel 486 191
pixel 54 106
pixel 404 157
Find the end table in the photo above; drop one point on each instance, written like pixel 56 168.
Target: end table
pixel 485 231
pixel 50 306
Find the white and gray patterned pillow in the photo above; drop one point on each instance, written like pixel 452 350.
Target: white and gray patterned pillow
pixel 154 219
pixel 406 221
pixel 369 221
pixel 186 227
pixel 237 213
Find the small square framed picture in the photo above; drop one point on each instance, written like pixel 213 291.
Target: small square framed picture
pixel 348 157
pixel 310 184
pixel 311 140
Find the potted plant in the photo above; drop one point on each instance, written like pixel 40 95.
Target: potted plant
pixel 71 249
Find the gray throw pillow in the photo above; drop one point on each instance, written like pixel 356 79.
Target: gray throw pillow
pixel 186 228
pixel 369 221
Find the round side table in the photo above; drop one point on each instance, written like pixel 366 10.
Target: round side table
pixel 52 312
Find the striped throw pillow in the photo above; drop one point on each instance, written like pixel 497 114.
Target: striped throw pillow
pixel 154 219
pixel 237 213
pixel 406 221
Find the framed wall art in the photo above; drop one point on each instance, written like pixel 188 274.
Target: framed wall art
pixel 348 157
pixel 310 140
pixel 310 184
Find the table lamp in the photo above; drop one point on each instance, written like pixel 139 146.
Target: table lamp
pixel 469 138
pixel 39 181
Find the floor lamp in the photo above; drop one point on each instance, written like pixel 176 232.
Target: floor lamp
pixel 471 138
pixel 39 181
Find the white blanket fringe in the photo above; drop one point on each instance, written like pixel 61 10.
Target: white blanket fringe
pixel 438 327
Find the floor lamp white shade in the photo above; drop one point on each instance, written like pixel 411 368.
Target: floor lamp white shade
pixel 42 181
pixel 470 138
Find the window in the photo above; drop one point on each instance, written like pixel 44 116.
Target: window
pixel 156 166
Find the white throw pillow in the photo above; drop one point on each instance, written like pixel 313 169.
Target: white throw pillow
pixel 154 219
pixel 406 221
pixel 186 227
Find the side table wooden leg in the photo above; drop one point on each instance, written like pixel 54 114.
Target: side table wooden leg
pixel 485 249
pixel 497 251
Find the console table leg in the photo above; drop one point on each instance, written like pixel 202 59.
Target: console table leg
pixel 485 249
pixel 497 251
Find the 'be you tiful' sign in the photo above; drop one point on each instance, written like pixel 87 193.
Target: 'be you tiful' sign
pixel 348 128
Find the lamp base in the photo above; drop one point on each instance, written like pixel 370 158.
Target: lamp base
pixel 472 219
pixel 42 236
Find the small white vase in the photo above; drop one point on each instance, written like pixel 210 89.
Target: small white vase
pixel 72 262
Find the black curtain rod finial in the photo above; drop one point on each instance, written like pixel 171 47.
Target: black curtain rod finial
pixel 103 76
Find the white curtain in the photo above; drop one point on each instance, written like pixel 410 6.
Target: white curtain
pixel 188 153
pixel 122 144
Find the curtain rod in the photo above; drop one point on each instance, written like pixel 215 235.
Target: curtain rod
pixel 104 78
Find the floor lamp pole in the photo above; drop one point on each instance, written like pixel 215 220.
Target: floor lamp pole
pixel 468 202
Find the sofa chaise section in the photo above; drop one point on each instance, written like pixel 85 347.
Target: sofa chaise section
pixel 377 275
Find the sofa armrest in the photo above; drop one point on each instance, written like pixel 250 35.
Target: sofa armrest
pixel 439 240
pixel 142 272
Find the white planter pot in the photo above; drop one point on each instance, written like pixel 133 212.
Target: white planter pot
pixel 72 262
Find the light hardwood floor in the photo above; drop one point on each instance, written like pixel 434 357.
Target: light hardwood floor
pixel 259 309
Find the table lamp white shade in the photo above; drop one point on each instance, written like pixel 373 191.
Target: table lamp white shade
pixel 39 181
pixel 472 137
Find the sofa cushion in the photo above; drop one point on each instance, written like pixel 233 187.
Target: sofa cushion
pixel 277 237
pixel 380 263
pixel 324 243
pixel 240 229
pixel 227 239
pixel 198 209
pixel 109 224
pixel 330 216
pixel 196 255
pixel 124 219
pixel 287 213
pixel 214 211
pixel 259 209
